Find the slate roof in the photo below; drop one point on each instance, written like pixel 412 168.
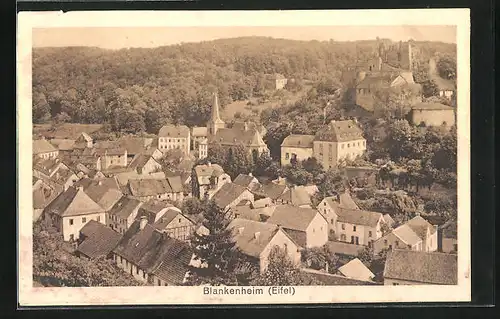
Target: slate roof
pixel 292 217
pixel 174 131
pixel 99 240
pixel 358 217
pixel 166 218
pixel 245 239
pixel 430 268
pixel 47 166
pixel 42 146
pixel 135 145
pixel 244 180
pixel 331 279
pixel 106 192
pixel 431 106
pixel 124 177
pixel 234 136
pixel 299 141
pixel 124 207
pixel 339 131
pixel 200 131
pixel 357 270
pixel 73 202
pixel 204 172
pixel 271 190
pixel 153 187
pixel 227 194
pixel 156 253
pixel 295 196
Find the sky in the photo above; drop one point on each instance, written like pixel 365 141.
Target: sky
pixel 148 37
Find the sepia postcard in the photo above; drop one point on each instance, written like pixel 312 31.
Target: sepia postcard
pixel 243 157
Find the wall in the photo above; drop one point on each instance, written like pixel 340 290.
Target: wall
pixel 280 239
pixel 349 231
pixel 392 241
pixel 351 149
pixel 446 93
pixel 130 268
pixel 325 153
pixel 180 228
pixel 48 155
pixel 150 166
pixel 245 195
pixel 317 232
pixel 330 216
pixel 78 223
pixel 202 151
pixel 433 117
pixel 431 242
pixel 302 154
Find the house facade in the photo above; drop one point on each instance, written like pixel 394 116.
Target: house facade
pixel 43 149
pixel 170 188
pixel 172 137
pixel 207 179
pixel 71 210
pixel 296 148
pixel 358 227
pixel 144 164
pixel 123 213
pixel 231 195
pixel 175 225
pixel 280 82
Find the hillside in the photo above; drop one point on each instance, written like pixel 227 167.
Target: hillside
pixel 139 89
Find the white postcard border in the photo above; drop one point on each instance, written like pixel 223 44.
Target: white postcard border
pixel 30 296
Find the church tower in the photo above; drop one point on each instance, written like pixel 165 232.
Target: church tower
pixel 215 121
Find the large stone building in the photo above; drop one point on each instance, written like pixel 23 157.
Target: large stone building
pixel 334 142
pixel 174 137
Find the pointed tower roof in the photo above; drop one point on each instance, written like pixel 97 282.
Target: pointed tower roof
pixel 215 109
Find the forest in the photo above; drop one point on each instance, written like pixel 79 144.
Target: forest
pixel 138 90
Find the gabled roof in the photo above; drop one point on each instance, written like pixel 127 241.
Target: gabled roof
pixel 292 217
pixel 140 160
pixel 47 166
pixel 235 136
pixel 208 170
pixel 152 209
pixel 339 131
pixel 155 252
pixel 99 240
pixel 124 207
pixel 227 194
pixel 431 106
pixel 124 177
pixel 420 226
pixel 167 218
pixel 271 190
pixel 135 145
pixel 358 217
pixel 407 235
pixel 430 268
pixel 106 192
pixel 244 180
pixel 300 141
pixel 42 146
pixel 296 196
pixel 344 200
pixel 244 230
pixel 73 202
pixel 169 130
pixel 357 270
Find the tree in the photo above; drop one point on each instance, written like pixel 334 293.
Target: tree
pixel 264 166
pixel 281 271
pixel 320 258
pixel 193 206
pixel 274 137
pixel 430 88
pixel 332 182
pixel 216 154
pixel 366 256
pixel 238 161
pixel 41 108
pixel 53 265
pixel 447 67
pixel 215 251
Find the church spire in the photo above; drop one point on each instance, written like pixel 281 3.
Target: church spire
pixel 215 108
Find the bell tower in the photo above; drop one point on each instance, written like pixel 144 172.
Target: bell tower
pixel 215 122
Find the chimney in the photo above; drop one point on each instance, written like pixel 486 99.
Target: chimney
pixel 99 182
pixel 209 164
pixel 143 222
pixel 246 126
pixel 250 174
pixel 257 235
pixel 80 188
pixel 240 230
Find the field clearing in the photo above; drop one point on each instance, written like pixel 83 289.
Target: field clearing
pixel 247 110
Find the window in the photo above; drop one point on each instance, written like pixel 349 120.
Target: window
pixel 397 243
pixel 286 247
pixel 353 228
pixel 287 156
pixel 348 145
pixel 84 220
pixel 71 221
pixel 179 220
pixel 395 284
pixel 370 233
pixel 144 274
pixel 331 221
pixel 343 237
pixel 343 226
pixel 324 203
pixel 137 270
pixel 98 218
pixel 390 246
pixel 385 242
pixel 314 230
pixel 71 237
